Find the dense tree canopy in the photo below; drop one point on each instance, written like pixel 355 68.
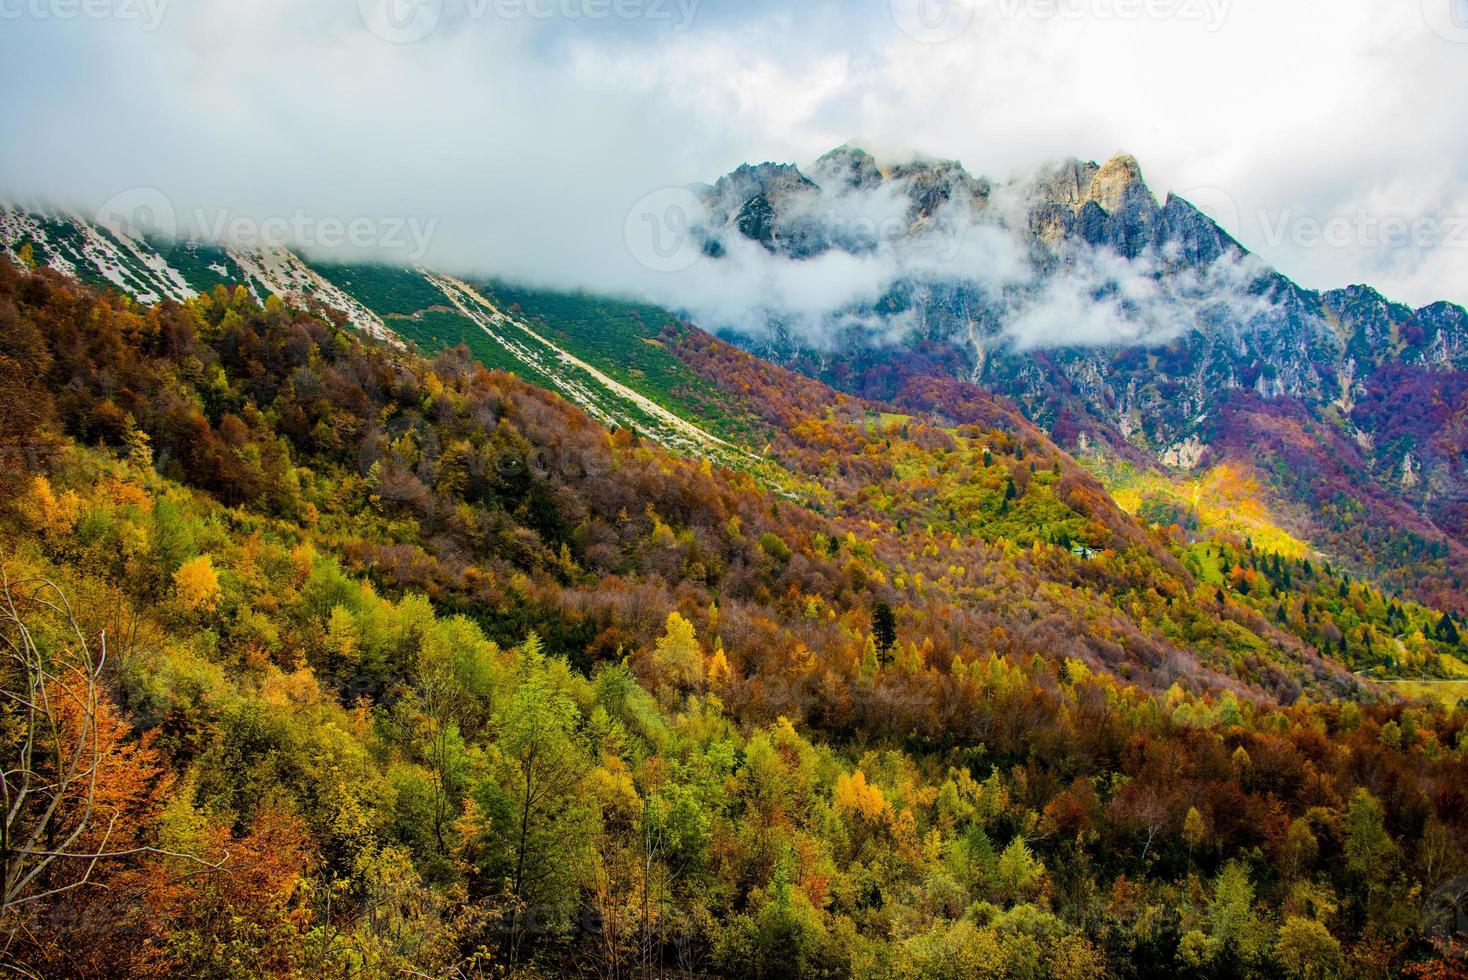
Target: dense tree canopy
pixel 412 668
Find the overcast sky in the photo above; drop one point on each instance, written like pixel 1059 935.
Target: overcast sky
pixel 528 133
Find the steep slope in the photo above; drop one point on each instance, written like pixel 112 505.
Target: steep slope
pixel 414 668
pixel 416 305
pixel 638 368
pixel 972 525
pixel 550 361
pixel 71 244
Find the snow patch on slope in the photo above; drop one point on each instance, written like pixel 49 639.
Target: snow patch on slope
pixel 282 272
pixel 17 226
pixel 129 264
pixel 594 391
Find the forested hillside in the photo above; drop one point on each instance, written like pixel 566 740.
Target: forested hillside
pixel 329 659
pixel 1342 412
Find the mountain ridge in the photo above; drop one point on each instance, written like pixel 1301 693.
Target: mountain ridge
pixel 1167 403
pixel 1192 317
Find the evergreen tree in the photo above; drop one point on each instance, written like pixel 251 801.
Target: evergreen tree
pixel 884 631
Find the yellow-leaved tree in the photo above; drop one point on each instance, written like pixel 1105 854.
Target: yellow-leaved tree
pixel 53 514
pixel 859 798
pixel 196 584
pixel 678 656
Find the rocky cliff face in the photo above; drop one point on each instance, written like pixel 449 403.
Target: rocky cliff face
pixel 1210 317
pixel 1133 322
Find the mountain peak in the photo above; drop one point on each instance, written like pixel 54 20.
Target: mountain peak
pixel 1115 182
pixel 848 167
pixel 765 182
pixel 1065 183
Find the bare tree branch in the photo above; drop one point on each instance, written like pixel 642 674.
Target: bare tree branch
pixel 49 777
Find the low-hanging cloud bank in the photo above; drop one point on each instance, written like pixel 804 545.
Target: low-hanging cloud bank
pixel 525 141
pixel 867 260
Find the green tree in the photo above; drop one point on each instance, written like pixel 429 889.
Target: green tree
pixel 1368 845
pixel 1019 870
pixel 1301 847
pixel 341 637
pixel 1195 829
pixel 789 938
pixel 173 540
pixel 1308 950
pixel 773 546
pixel 1231 916
pixel 869 659
pixel 539 823
pixel 1230 715
pixel 441 701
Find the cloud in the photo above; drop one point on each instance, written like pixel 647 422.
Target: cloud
pixel 968 259
pixel 827 291
pixel 1104 299
pixel 529 138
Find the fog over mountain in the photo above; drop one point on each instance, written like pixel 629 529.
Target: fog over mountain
pixel 1073 255
pixel 528 139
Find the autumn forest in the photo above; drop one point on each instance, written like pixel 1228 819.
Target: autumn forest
pixel 329 656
